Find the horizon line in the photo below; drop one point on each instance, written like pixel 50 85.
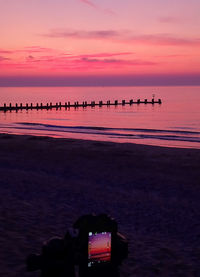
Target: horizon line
pixel 99 81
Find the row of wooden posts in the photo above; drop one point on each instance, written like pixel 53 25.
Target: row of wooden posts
pixel 76 104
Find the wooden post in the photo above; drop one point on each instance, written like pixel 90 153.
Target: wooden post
pixel 47 105
pixel 145 101
pixel 68 104
pixel 116 102
pixel 131 101
pixel 123 102
pixel 65 104
pixel 159 101
pixel 31 106
pixel 50 105
pixel 10 106
pixel 21 106
pixel 138 101
pixel 37 106
pixel 153 101
pixel 60 104
pixel 16 105
pixel 100 103
pixel 56 105
pixel 27 106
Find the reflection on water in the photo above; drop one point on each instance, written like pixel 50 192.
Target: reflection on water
pixel 175 123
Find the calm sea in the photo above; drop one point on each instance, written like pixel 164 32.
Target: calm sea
pixel 174 123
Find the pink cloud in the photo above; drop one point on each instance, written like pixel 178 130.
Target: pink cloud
pixel 16 65
pixel 165 39
pixel 3 51
pixel 84 59
pixel 170 19
pixel 100 34
pixel 118 61
pixel 103 55
pixel 88 62
pixel 36 49
pixel 3 59
pixel 109 11
pixel 126 37
pixel 28 50
pixel 89 3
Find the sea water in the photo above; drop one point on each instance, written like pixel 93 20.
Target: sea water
pixel 174 123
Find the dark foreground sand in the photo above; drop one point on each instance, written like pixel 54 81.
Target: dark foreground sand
pixel 153 192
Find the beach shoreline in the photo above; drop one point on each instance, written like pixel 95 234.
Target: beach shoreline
pixel 152 191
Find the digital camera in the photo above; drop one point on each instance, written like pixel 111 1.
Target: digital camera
pixel 93 244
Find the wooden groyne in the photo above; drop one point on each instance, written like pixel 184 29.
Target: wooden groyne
pixel 84 104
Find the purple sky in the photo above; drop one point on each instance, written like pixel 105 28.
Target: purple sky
pixel 98 42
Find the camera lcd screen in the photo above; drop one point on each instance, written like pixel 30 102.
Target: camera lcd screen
pixel 99 248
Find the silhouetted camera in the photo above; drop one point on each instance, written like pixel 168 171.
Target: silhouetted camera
pixel 94 245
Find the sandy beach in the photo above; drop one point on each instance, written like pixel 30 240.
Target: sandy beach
pixel 153 193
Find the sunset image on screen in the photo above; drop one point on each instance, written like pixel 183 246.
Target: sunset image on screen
pixel 99 248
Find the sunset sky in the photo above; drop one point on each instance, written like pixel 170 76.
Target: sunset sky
pixel 99 39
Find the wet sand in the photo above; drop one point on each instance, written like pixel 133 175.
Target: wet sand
pixel 153 193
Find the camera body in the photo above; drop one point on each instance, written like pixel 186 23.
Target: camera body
pixel 102 248
pixel 94 245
